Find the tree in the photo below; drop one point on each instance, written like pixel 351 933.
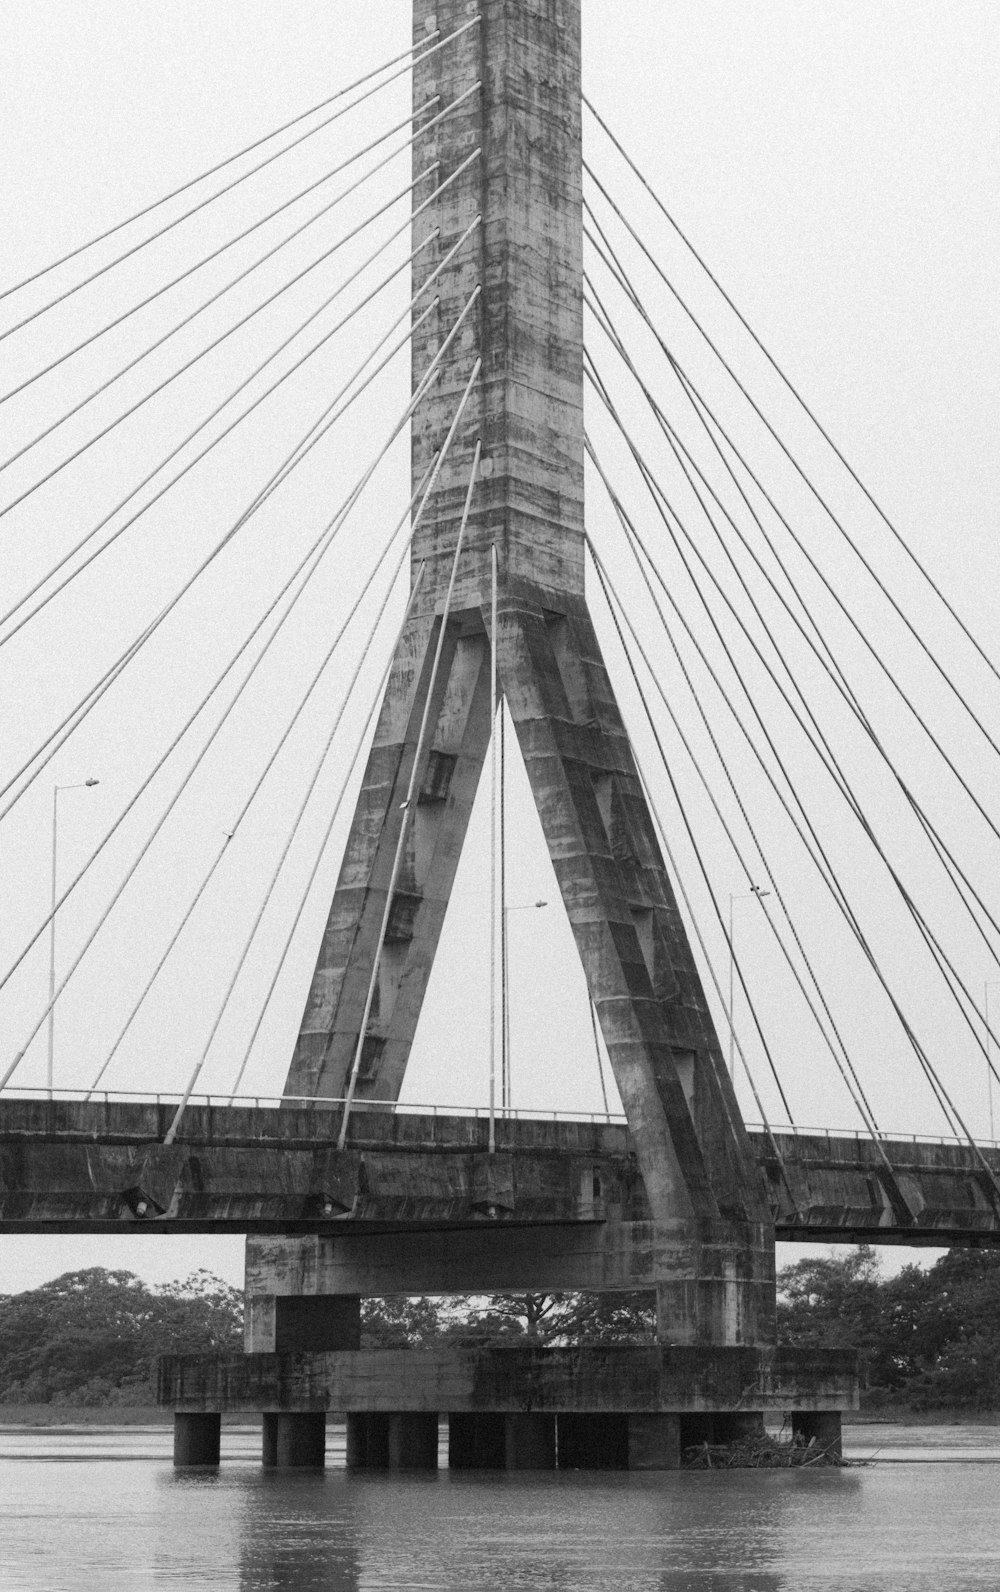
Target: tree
pixel 929 1339
pixel 94 1336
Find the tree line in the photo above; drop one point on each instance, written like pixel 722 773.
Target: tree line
pixel 929 1338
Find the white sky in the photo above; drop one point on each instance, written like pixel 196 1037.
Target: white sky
pixel 837 166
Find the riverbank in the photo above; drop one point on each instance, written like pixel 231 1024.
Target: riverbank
pixel 152 1415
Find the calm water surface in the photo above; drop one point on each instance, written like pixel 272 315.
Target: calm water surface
pixel 102 1509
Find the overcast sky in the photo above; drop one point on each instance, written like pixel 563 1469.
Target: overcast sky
pixel 836 165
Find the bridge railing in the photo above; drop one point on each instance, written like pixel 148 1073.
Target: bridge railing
pixel 273 1102
pixel 417 1108
pixel 862 1133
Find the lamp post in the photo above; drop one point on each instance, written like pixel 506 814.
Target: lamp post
pixel 527 906
pixel 993 984
pixel 81 785
pixel 745 895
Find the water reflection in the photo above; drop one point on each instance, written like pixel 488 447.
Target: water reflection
pixel 69 1518
pixel 296 1532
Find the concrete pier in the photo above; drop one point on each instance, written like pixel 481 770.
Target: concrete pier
pixel 294 1440
pixel 822 1426
pixel 530 1441
pixel 680 1208
pixel 368 1442
pixel 476 1441
pixel 592 1440
pixel 413 1440
pixel 197 1438
pixel 654 1442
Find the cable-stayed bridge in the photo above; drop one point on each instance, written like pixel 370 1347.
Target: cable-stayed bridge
pixel 754 748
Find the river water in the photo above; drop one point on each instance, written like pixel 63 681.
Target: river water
pixel 101 1508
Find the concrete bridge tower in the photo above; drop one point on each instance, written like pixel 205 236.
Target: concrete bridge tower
pixel 697 1226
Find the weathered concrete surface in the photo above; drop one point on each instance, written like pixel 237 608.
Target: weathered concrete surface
pixel 72 1166
pixel 527 409
pixel 646 1380
pixel 525 186
pixel 611 1256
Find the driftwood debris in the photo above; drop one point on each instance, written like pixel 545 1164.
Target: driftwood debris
pixel 761 1453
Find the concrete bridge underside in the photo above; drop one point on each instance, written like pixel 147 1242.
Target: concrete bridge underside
pixel 565 1194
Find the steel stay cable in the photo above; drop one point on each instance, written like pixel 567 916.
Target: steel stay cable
pixel 824 654
pixel 256 310
pixel 352 764
pixel 698 403
pixel 179 447
pixel 247 271
pixel 825 752
pixel 275 133
pixel 855 1089
pixel 606 588
pixel 301 360
pixel 746 818
pixel 291 461
pixel 318 767
pixel 189 364
pixel 932 1077
pixel 190 270
pixel 822 748
pixel 597 1053
pixel 829 876
pixel 313 557
pixel 77 714
pixel 812 488
pixel 60 298
pixel 491 1082
pixel 249 800
pixel 797 395
pixel 417 756
pixel 812 843
pixel 679 881
pixel 54 741
pixel 948 860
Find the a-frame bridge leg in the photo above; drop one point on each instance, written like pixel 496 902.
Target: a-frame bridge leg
pixel 690 1142
pixel 451 761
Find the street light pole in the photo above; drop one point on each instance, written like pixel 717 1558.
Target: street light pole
pixel 49 1069
pixel 993 984
pixel 528 906
pixel 746 895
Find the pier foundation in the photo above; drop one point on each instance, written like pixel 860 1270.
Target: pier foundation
pixel 197 1438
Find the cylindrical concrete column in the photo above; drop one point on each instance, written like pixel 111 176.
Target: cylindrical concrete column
pixel 820 1426
pixel 294 1440
pixel 413 1440
pixel 654 1442
pixel 197 1438
pixel 736 1426
pixel 476 1441
pixel 367 1442
pixel 594 1441
pixel 530 1442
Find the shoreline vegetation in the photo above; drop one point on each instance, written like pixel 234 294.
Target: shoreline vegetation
pixel 69 1416
pixel 83 1349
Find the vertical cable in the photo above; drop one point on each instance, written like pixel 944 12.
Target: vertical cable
pixel 493 847
pixel 597 1053
pixel 407 805
pixel 504 994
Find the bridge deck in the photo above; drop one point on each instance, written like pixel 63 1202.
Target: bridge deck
pixel 100 1166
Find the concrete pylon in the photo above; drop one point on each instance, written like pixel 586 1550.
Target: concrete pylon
pixel 527 411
